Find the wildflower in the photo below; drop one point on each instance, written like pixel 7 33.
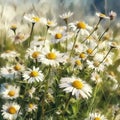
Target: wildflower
pixel 95 65
pixel 34 52
pixel 102 16
pixel 7 72
pixel 9 55
pixel 13 27
pixel 10 111
pixel 76 86
pixel 76 63
pixel 51 57
pixel 112 15
pixel 96 116
pixel 39 42
pixel 96 78
pixel 31 107
pixel 18 67
pixel 33 75
pixel 19 38
pixel 114 45
pixel 58 37
pixel 32 18
pixel 82 27
pixel 10 92
pixel 50 23
pixel 31 91
pixel 65 16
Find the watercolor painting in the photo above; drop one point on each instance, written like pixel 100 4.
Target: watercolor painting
pixel 59 60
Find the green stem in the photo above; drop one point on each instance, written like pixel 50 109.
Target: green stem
pixel 31 34
pixel 96 27
pixel 74 44
pixel 44 96
pixel 106 55
pixel 93 99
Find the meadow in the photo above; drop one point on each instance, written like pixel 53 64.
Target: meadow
pixel 58 66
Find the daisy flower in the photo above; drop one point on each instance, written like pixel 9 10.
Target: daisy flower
pixel 65 16
pixel 19 38
pixel 34 52
pixel 96 116
pixel 18 67
pixel 13 27
pixel 39 41
pixel 76 86
pixel 7 72
pixel 76 62
pixel 33 75
pixel 112 15
pixel 51 57
pixel 50 23
pixel 102 16
pixel 10 111
pixel 59 34
pixel 58 37
pixel 82 27
pixel 31 107
pixel 96 65
pixel 114 45
pixel 32 18
pixel 10 92
pixel 112 75
pixel 31 91
pixel 96 78
pixel 9 55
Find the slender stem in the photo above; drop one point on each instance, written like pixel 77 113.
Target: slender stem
pixel 67 102
pixel 96 27
pixel 31 34
pixel 44 96
pixel 93 99
pixel 66 22
pixel 106 55
pixel 99 39
pixel 74 44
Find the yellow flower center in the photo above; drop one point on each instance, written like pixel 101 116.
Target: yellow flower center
pixel 21 37
pixel 17 67
pixel 89 51
pixel 51 56
pixel 96 63
pixel 102 15
pixel 8 51
pixel 34 74
pixel 78 62
pixel 77 84
pixel 13 27
pixel 114 44
pixel 36 19
pixel 12 110
pixel 11 93
pixel 97 118
pixel 82 55
pixel 30 105
pixel 107 37
pixel 111 73
pixel 81 25
pixel 58 36
pixel 49 22
pixel 35 54
pixel 97 77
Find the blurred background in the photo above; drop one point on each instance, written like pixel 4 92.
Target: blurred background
pixel 60 6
